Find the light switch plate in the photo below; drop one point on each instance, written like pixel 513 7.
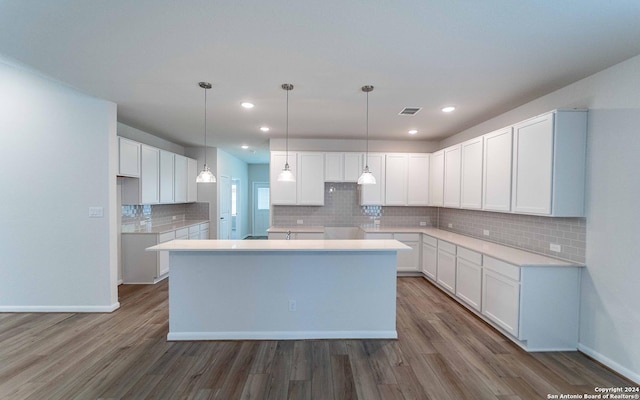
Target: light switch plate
pixel 555 247
pixel 300 222
pixel 485 232
pixel 450 225
pixel 96 212
pixel 376 222
pixel 423 223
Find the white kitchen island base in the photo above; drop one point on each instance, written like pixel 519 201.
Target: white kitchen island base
pixel 337 290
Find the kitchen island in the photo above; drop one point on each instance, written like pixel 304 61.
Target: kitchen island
pixel 282 289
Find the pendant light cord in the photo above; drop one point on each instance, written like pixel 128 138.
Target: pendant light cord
pixel 287 132
pixel 366 163
pixel 205 127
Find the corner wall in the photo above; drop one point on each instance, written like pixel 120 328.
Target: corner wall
pixel 57 158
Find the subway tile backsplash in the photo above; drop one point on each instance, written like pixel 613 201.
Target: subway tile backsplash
pixel 532 233
pixel 161 214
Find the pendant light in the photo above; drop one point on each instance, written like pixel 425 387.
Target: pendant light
pixel 205 176
pixel 367 177
pixel 286 175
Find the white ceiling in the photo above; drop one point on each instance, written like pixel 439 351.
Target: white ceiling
pixel 484 57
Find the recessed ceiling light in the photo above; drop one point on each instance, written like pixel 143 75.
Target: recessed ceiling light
pixel 264 128
pixel 413 131
pixel 244 146
pixel 247 104
pixel 448 109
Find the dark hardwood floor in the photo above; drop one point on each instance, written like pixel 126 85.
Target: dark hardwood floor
pixel 443 352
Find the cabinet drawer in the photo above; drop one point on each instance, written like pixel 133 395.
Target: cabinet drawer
pixel 501 267
pixel 194 229
pixel 470 255
pixel 204 226
pixel 165 237
pixel 407 237
pixel 426 239
pixel 446 246
pixel 182 233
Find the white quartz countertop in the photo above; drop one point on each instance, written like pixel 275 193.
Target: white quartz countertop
pixel 164 227
pixel 296 229
pixel 281 245
pixel 504 253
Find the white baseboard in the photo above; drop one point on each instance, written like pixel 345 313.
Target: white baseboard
pixel 286 335
pixel 624 371
pixel 60 309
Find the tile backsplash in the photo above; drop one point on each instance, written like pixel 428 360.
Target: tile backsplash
pixel 161 214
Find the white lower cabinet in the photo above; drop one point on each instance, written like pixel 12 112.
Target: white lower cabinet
pixel 163 256
pixel 469 277
pixel 409 261
pixel 446 274
pixel 429 256
pixel 501 294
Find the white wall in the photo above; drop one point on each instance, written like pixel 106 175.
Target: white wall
pixel 235 168
pixel 610 305
pixel 57 159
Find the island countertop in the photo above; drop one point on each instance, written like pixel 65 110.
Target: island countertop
pixel 281 245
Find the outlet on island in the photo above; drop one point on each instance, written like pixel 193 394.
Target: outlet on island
pixel 292 305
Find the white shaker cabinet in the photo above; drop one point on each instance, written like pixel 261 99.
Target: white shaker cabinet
pixel 429 256
pixel 409 261
pixel 353 164
pixel 497 171
pixel 282 193
pixel 146 189
pixel 452 162
pixel 373 195
pixel 446 274
pixel 469 277
pixel 167 176
pixel 180 179
pixel 310 179
pixel 471 174
pixel 128 158
pixel 192 186
pixel 436 179
pixel 418 180
pixel 396 179
pixel 549 158
pixel 501 294
pixel 334 167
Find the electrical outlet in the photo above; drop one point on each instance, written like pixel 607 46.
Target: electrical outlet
pixel 423 223
pixel 555 247
pixel 450 225
pixel 143 223
pixel 96 212
pixel 173 218
pixel 485 232
pixel 376 222
pixel 292 305
pixel 299 222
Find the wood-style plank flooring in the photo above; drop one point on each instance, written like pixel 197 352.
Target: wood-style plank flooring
pixel 443 352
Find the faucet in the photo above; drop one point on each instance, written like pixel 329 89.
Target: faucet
pixel 288 237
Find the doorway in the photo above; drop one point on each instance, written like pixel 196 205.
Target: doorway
pixel 236 215
pixel 260 211
pixel 224 227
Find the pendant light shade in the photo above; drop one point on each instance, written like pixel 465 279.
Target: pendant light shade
pixel 205 176
pixel 367 177
pixel 286 175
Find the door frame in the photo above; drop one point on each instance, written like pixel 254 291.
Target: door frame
pixel 254 203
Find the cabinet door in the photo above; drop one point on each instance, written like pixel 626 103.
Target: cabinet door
pixel 282 193
pixel 429 261
pixel 532 165
pixel 310 179
pixel 436 179
pixel 446 274
pixel 497 171
pixel 167 176
pixel 334 167
pixel 192 186
pixel 180 179
pixel 409 261
pixel 373 195
pixel 353 164
pixel 501 300
pixel 396 179
pixel 418 180
pixel 129 158
pixel 469 282
pixel 149 175
pixel 471 174
pixel 451 196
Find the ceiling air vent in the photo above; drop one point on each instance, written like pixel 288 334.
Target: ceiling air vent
pixel 410 110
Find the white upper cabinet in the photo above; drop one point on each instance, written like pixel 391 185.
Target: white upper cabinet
pixel 167 176
pixel 452 162
pixel 396 166
pixel 436 179
pixel 373 195
pixel 149 175
pixel 192 186
pixel 342 167
pixel 549 164
pixel 497 171
pixel 129 158
pixel 283 193
pixel 471 174
pixel 353 164
pixel 310 179
pixel 180 179
pixel 418 180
